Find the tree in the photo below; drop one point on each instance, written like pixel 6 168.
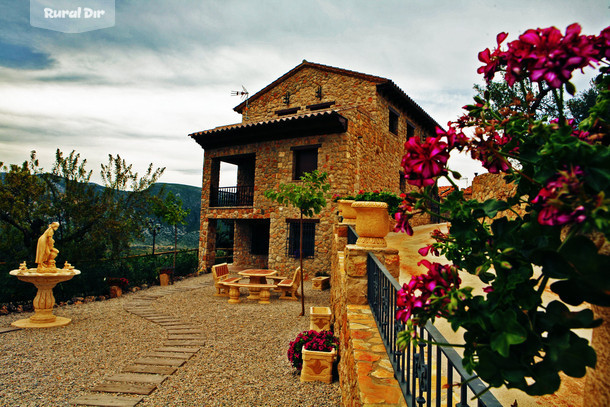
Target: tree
pixel 94 221
pixel 309 197
pixel 171 211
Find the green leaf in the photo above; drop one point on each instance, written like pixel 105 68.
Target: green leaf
pixel 509 332
pixel 577 357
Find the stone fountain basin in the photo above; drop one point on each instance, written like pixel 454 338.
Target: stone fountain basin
pixel 43 303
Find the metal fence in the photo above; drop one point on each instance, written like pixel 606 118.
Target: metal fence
pixel 352 237
pixel 232 196
pixel 428 374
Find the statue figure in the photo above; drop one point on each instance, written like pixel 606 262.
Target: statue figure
pixel 45 252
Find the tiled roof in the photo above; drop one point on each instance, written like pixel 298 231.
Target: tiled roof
pixel 326 122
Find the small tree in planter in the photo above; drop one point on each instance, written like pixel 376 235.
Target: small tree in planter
pixel 309 197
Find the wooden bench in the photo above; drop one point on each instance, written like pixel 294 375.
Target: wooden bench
pixel 260 292
pixel 220 272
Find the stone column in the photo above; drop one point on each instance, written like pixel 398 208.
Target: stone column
pixel 356 281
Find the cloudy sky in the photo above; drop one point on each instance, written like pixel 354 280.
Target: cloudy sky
pixel 167 68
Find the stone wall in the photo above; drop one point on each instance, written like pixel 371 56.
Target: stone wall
pixel 492 186
pixel 365 372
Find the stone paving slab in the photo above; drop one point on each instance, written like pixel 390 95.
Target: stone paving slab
pixel 165 370
pixel 174 325
pixel 180 337
pixel 144 389
pixel 184 331
pixel 160 361
pixel 137 378
pixel 105 400
pixel 176 342
pixel 171 355
pixel 180 349
pixel 9 329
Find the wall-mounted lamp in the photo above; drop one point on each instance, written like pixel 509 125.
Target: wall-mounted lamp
pixel 287 98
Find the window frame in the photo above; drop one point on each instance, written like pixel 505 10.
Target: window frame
pixel 297 151
pixel 292 239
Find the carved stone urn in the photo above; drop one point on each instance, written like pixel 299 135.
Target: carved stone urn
pixel 348 213
pixel 372 223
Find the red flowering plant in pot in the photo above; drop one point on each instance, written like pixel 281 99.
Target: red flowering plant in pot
pixel 550 235
pixel 322 341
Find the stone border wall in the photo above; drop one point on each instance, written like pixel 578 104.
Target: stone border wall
pixel 365 371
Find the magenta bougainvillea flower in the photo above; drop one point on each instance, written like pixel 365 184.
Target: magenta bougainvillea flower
pixel 419 294
pixel 424 160
pixel 559 199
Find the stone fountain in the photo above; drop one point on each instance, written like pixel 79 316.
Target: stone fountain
pixel 44 277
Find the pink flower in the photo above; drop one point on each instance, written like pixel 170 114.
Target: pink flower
pixel 546 55
pixel 559 199
pixel 424 251
pixel 424 161
pixel 402 223
pixel 492 60
pixel 488 152
pixel 427 292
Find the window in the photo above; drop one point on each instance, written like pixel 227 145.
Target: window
pixel 259 239
pixel 309 238
pixel 393 121
pixel 410 131
pixel 304 159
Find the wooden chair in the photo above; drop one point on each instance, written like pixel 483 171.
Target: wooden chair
pixel 220 272
pixel 290 286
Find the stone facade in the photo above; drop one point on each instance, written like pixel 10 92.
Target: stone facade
pixel 492 186
pixel 345 116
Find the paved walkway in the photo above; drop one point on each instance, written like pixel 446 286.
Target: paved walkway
pixel 143 375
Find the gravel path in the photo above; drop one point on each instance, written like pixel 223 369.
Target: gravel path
pixel 242 363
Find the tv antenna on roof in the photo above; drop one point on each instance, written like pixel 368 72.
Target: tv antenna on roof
pixel 243 94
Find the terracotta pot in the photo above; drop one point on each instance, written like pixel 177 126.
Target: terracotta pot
pixel 164 279
pixel 372 223
pixel 348 213
pixel 115 291
pixel 318 366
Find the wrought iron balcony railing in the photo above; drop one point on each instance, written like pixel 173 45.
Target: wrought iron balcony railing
pixel 232 196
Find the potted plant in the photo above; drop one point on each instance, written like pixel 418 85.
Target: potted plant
pixel 313 353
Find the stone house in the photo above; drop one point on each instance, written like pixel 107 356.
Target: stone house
pixel 349 124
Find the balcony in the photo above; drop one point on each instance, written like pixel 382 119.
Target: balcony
pixel 232 196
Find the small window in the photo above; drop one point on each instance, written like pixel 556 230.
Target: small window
pixel 393 121
pixel 410 131
pixel 305 159
pixel 309 239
